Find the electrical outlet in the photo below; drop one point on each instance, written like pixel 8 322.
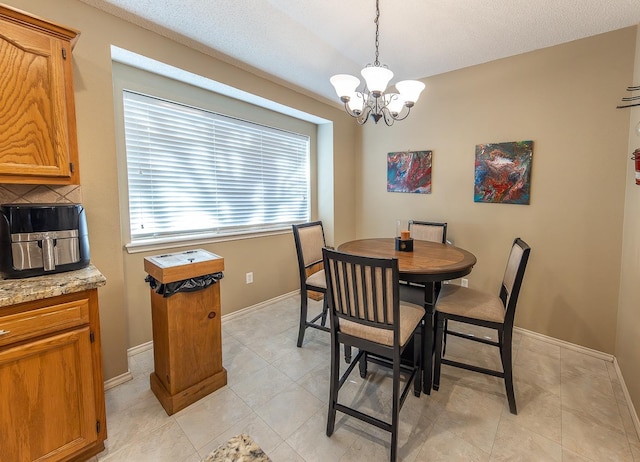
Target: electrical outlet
pixel 464 282
pixel 250 278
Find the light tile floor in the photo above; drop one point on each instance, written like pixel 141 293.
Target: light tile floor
pixel 571 405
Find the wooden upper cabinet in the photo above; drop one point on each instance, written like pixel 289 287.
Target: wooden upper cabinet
pixel 38 142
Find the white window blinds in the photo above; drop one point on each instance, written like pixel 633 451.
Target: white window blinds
pixel 192 171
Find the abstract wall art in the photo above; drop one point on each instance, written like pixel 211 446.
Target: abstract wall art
pixel 503 172
pixel 409 172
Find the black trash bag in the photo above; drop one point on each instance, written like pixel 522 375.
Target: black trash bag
pixel 186 285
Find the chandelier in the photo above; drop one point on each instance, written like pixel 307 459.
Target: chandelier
pixel 374 100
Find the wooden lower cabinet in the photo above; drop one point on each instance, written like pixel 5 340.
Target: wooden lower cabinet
pixel 51 382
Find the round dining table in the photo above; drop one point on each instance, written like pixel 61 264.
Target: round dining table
pixel 428 263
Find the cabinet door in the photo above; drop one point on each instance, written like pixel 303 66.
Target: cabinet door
pixel 47 403
pixel 35 123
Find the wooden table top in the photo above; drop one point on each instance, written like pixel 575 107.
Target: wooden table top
pixel 429 261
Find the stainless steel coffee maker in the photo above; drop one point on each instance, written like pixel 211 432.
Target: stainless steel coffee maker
pixel 38 239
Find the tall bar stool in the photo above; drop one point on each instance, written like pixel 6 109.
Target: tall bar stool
pixel 479 308
pixel 366 312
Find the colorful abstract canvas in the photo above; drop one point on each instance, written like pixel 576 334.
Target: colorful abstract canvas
pixel 503 172
pixel 409 172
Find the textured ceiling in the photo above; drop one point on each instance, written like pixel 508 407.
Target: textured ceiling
pixel 304 42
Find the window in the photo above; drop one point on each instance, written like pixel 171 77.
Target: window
pixel 191 172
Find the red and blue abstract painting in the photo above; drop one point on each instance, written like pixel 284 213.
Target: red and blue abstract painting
pixel 409 172
pixel 503 172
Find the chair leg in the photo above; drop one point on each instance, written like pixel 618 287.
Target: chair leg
pixel 333 384
pixel 395 411
pixel 444 337
pixel 325 310
pixel 508 371
pixel 347 354
pixel 418 338
pixel 363 365
pixel 303 316
pixel 440 323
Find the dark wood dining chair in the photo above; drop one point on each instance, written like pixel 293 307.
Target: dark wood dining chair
pixel 414 292
pixel 470 306
pixel 433 231
pixel 309 240
pixel 365 312
pixel 428 231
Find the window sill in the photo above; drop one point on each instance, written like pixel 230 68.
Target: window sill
pixel 173 242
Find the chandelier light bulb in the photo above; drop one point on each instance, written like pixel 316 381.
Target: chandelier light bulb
pixel 356 102
pixel 410 90
pixel 377 78
pixel 345 85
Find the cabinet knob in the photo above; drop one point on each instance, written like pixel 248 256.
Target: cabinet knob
pixel 211 315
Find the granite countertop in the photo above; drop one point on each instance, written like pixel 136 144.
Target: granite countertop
pixel 13 291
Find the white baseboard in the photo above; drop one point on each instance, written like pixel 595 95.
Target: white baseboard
pixel 140 348
pixel 249 309
pixel 563 344
pixel 119 380
pixel 595 354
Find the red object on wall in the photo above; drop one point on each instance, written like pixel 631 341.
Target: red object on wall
pixel 636 157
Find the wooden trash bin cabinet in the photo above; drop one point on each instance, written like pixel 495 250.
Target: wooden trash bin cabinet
pixel 187 337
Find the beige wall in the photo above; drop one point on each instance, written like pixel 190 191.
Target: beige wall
pixel 124 301
pixel 563 98
pixel 627 351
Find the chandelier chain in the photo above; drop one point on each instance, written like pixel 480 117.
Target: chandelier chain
pixel 377 21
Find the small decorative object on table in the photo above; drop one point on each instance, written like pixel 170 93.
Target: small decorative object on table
pixel 404 242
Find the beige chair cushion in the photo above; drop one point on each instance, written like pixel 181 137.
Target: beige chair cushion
pixel 410 317
pixel 317 279
pixel 311 242
pixel 512 269
pixel 422 232
pixel 471 303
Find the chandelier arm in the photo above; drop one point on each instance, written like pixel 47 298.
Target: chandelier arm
pixel 362 119
pixel 406 114
pixel 388 117
pixel 349 111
